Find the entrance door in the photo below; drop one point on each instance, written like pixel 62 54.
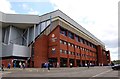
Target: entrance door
pixel 16 63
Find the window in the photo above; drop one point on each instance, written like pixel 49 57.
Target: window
pixel 77 38
pixel 63 31
pixel 72 45
pixel 84 41
pixel 53 50
pixel 81 48
pixel 72 53
pixel 81 40
pixel 88 43
pixel 65 52
pixel 68 44
pixel 69 52
pixel 61 51
pixel 79 54
pixel 84 55
pixel 70 35
pixel 94 46
pixel 75 46
pixel 42 26
pixel 48 22
pixel 61 42
pixel 65 43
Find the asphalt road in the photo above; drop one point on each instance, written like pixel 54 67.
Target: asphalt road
pixel 91 72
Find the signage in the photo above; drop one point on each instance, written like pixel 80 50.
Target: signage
pixel 53 38
pixel 53 50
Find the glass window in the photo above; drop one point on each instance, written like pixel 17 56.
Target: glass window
pixel 60 51
pixel 81 48
pixel 60 41
pixel 65 43
pixel 72 53
pixel 81 54
pixel 68 44
pixel 71 35
pixel 81 40
pixel 63 31
pixel 48 22
pixel 69 52
pixel 42 26
pixel 65 52
pixel 76 38
pixel 75 46
pixel 72 45
pixel 87 42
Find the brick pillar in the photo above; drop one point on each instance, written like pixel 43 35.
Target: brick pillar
pixel 68 63
pixel 58 61
pixel 100 55
pixel 75 63
pixel 81 62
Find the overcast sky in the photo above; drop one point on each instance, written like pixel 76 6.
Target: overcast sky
pixel 100 17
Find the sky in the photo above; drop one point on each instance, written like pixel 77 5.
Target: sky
pixel 100 17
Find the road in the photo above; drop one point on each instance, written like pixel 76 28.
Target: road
pixel 92 72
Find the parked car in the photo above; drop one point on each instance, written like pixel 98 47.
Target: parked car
pixel 116 67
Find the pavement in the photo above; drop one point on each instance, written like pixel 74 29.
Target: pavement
pixel 91 72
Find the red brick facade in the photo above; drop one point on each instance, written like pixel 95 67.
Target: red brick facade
pixel 49 47
pixel 58 47
pixel 40 51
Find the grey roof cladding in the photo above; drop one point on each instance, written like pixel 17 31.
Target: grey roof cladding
pixel 35 19
pixel 69 20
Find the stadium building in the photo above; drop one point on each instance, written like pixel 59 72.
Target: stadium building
pixel 53 37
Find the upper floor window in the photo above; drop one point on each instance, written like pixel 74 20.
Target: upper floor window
pixel 63 31
pixel 68 44
pixel 42 26
pixel 69 52
pixel 81 40
pixel 71 35
pixel 65 52
pixel 72 45
pixel 75 46
pixel 61 51
pixel 61 42
pixel 76 38
pixel 65 42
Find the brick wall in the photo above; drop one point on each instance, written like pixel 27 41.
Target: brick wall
pixel 40 51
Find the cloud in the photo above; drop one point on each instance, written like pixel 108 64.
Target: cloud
pixel 25 6
pixel 111 43
pixel 33 12
pixel 29 9
pixel 97 16
pixel 28 0
pixel 5 7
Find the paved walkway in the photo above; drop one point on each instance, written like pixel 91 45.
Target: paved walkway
pixel 61 72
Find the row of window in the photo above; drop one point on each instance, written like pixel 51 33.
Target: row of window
pixel 75 46
pixel 76 37
pixel 77 54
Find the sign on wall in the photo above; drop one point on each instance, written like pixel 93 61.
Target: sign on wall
pixel 54 38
